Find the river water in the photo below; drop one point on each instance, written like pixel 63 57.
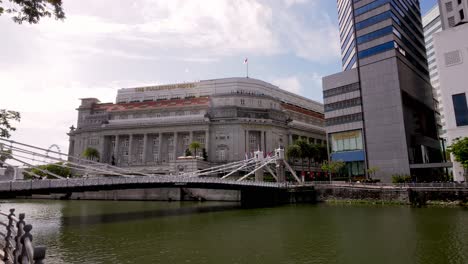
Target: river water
pixel 209 232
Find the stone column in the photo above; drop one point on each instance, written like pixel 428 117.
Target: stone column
pixel 175 146
pixel 145 149
pixel 260 144
pixel 102 149
pixel 130 150
pixel 290 139
pixel 207 143
pixel 247 142
pixel 265 142
pixel 160 135
pixel 116 150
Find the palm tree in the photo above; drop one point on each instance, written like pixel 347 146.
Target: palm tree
pixel 195 145
pixel 321 153
pixel 305 153
pixel 293 152
pixel 91 154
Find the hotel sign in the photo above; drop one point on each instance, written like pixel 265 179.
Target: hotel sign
pixel 165 87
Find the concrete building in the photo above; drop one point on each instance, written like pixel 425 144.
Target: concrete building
pixel 451 48
pixel 380 110
pixel 453 12
pixel 432 24
pixel 150 128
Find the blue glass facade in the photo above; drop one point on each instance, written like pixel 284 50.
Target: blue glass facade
pixel 405 26
pixel 347 34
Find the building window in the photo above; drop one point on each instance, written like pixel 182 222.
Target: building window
pixel 94 142
pixel 460 108
pixel 242 102
pixel 377 49
pixel 347 141
pixel 375 34
pixel 449 6
pixel 462 14
pixel 451 21
pixel 453 58
pixel 222 155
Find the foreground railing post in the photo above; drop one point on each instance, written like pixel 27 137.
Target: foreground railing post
pixel 19 234
pixel 8 247
pixel 39 254
pixel 27 252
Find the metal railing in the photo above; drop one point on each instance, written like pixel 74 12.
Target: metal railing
pixel 16 243
pixel 445 185
pixel 29 185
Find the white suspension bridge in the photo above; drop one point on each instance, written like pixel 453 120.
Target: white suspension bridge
pixel 239 175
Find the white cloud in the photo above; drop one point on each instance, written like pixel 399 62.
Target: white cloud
pixel 102 46
pixel 290 84
pixel 319 42
pixel 290 3
pixel 48 110
pixel 212 28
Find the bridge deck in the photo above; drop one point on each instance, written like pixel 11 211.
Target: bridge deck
pixel 29 187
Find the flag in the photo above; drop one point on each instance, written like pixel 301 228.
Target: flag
pixel 246 60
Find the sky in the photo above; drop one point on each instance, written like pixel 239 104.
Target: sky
pixel 108 44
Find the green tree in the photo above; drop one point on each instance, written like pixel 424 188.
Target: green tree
pixel 372 171
pixel 401 178
pixel 91 154
pixel 321 153
pixel 55 168
pixel 459 150
pixel 188 152
pixel 32 11
pixel 204 154
pixel 333 166
pixel 4 155
pixel 6 116
pixel 195 145
pixel 306 152
pixel 293 152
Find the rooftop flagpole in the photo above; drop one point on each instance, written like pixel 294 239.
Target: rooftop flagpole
pixel 246 62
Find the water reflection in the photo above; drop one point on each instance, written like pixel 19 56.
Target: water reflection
pixel 158 232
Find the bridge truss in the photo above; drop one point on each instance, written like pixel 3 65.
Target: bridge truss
pixel 35 159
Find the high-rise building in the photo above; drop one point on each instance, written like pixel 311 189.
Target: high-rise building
pixel 451 49
pixel 432 24
pixel 453 12
pixel 380 111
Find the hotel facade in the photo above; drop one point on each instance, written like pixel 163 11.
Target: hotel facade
pixel 150 128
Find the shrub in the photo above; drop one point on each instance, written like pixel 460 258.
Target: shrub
pixel 401 178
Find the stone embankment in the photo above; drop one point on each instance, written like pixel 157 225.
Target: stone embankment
pixel 417 195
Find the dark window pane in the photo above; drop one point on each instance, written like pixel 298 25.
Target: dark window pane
pixel 461 109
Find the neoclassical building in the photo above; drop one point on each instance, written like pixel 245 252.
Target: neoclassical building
pixel 151 127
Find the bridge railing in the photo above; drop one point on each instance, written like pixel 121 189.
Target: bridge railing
pixel 16 242
pixel 44 184
pixel 448 185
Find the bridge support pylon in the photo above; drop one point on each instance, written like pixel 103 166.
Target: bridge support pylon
pixel 258 162
pixel 279 153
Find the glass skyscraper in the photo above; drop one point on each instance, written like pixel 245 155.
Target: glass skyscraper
pixel 380 110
